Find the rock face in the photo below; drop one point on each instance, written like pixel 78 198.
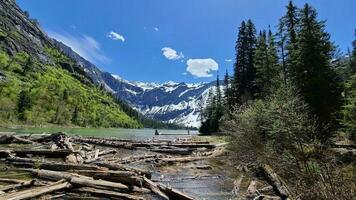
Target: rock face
pixel 21 34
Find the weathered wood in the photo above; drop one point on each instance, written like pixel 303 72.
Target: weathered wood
pixel 59 153
pixel 126 177
pixel 8 139
pixel 178 151
pixel 79 180
pixel 56 166
pixel 173 193
pixel 17 186
pixel 5 153
pixel 251 192
pixel 10 180
pixel 237 185
pixel 154 188
pixel 116 166
pixel 35 192
pixel 279 186
pixel 107 193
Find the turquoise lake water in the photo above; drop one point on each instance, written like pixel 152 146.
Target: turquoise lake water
pixel 139 134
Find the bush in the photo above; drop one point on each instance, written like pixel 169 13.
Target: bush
pixel 281 132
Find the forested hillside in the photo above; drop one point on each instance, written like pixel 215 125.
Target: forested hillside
pixel 291 104
pixel 39 85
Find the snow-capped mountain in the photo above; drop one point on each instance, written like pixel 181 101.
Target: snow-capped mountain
pixel 179 103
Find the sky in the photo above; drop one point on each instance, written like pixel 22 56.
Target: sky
pixel 171 40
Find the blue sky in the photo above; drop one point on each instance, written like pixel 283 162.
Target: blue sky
pixel 177 40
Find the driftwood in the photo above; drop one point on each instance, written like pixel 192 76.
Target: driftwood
pixel 107 193
pixel 126 177
pixel 10 180
pixel 116 166
pixel 173 193
pixel 17 186
pixel 79 180
pixel 178 151
pixel 8 139
pixel 237 185
pixel 154 188
pixel 276 182
pixel 57 166
pixel 59 153
pixel 35 192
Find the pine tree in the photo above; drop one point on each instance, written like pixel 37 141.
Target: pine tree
pixel 261 62
pixel 288 29
pixel 273 61
pixel 237 85
pixel 312 72
pixel 266 64
pixel 227 92
pixel 243 84
pixel 353 56
pixel 24 103
pixel 250 68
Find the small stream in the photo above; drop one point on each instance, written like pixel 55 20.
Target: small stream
pixel 205 183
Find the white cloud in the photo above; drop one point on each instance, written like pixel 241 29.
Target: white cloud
pixel 115 36
pixel 171 54
pixel 202 67
pixel 156 29
pixel 84 45
pixel 228 60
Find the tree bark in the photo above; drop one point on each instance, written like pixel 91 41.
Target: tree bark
pixel 35 192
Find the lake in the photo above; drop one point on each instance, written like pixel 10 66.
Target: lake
pixel 137 134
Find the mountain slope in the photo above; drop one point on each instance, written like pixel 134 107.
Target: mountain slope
pixel 178 103
pixel 40 85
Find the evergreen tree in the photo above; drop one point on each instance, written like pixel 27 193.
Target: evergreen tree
pixel 250 68
pixel 353 56
pixel 288 29
pixel 24 103
pixel 266 64
pixel 261 62
pixel 237 85
pixel 312 72
pixel 227 92
pixel 274 66
pixel 243 84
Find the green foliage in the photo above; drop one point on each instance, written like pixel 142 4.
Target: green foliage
pixel 213 111
pixel 349 108
pixel 52 95
pixel 280 124
pixel 243 85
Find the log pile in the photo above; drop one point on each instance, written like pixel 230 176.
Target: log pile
pixel 85 165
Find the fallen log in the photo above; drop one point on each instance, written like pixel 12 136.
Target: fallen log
pixel 178 151
pixel 279 186
pixel 125 177
pixel 237 185
pixel 10 180
pixel 56 166
pixel 144 157
pixel 5 153
pixel 79 180
pixel 60 153
pixel 154 188
pixel 35 192
pixel 8 139
pixel 107 193
pixel 173 193
pixel 7 188
pixel 116 166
